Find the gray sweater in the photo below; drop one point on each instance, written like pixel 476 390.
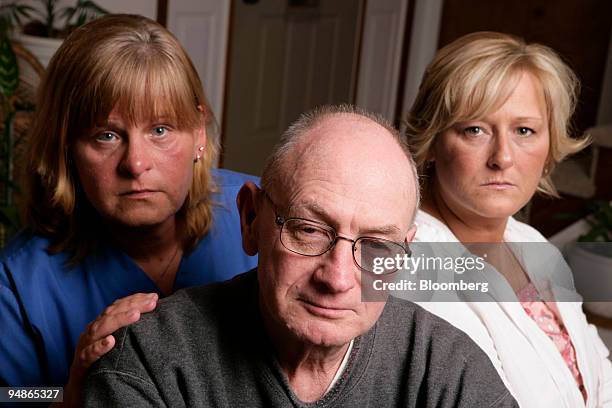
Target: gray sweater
pixel 207 347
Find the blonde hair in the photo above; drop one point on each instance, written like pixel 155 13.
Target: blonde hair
pixel 474 76
pixel 117 61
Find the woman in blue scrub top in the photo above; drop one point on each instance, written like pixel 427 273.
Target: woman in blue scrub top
pixel 121 200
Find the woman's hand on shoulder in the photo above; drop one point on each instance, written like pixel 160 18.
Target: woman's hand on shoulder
pixel 97 338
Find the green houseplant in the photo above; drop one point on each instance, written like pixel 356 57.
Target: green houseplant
pixel 42 21
pixel 45 19
pixel 47 23
pixel 600 221
pixel 591 259
pixel 10 15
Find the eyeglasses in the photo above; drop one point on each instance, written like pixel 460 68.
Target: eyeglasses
pixel 313 238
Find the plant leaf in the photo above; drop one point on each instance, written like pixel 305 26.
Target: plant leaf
pixel 593 234
pixel 9 72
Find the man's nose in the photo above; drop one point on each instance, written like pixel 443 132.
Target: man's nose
pixel 501 155
pixel 137 158
pixel 339 272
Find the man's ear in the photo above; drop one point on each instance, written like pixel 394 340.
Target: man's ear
pixel 247 201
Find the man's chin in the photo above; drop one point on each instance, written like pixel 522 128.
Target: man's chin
pixel 331 341
pixel 327 334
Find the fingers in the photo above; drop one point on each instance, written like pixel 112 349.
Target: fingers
pixel 91 353
pixel 96 341
pixel 108 324
pixel 121 313
pixel 84 357
pixel 143 302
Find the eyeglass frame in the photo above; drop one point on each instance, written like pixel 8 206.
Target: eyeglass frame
pixel 280 221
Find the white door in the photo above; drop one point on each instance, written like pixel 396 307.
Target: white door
pixel 381 56
pixel 202 27
pixel 286 56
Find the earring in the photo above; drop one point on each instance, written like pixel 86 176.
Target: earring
pixel 199 155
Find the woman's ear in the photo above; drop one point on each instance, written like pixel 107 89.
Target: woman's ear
pixel 248 209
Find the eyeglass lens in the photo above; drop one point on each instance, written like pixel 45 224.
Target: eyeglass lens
pixel 307 238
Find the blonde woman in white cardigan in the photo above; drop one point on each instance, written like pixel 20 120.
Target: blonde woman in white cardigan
pixel 489 124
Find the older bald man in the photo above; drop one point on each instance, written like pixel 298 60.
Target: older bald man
pixel 295 332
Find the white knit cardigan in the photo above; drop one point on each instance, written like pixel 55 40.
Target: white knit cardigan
pixel 527 360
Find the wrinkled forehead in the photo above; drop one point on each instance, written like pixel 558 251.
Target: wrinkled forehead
pixel 354 170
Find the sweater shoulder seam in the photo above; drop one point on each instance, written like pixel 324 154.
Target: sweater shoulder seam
pixel 501 399
pixel 106 371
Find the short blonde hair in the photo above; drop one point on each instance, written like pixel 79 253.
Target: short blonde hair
pixel 117 61
pixel 474 76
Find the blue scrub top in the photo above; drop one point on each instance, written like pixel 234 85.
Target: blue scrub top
pixel 44 306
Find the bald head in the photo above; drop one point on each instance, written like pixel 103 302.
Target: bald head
pixel 339 177
pixel 358 148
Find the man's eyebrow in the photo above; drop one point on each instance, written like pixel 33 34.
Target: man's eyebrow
pixel 315 209
pixel 311 207
pixel 384 230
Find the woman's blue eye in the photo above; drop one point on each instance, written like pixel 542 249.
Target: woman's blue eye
pixel 525 131
pixel 160 131
pixel 106 136
pixel 473 130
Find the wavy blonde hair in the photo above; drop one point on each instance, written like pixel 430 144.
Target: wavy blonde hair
pixel 475 75
pixel 122 61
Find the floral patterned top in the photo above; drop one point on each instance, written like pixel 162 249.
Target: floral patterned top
pixel 545 316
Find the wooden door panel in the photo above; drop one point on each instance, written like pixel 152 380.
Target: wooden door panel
pixel 285 60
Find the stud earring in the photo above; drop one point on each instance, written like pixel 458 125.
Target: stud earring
pixel 199 155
